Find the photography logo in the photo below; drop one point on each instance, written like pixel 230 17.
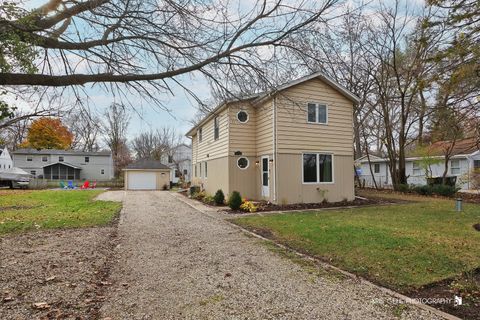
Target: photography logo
pixel 457 301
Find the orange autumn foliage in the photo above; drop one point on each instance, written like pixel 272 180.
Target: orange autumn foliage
pixel 48 133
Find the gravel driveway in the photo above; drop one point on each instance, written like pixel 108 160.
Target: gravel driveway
pixel 175 262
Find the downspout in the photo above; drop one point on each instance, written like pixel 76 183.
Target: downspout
pixel 274 107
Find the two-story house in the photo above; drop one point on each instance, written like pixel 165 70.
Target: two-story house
pixel 65 164
pixel 291 145
pixel 179 160
pixel 6 162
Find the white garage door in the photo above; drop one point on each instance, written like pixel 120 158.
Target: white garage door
pixel 142 181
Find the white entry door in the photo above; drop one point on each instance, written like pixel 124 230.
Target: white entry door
pixel 142 180
pixel 265 177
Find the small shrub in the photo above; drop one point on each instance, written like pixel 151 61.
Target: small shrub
pixel 403 188
pixel 425 190
pixel 219 197
pixel 165 187
pixel 208 199
pixel 444 190
pixel 235 200
pixel 248 206
pixel 199 195
pixel 194 190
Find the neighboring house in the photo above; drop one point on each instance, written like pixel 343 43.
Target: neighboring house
pixel 65 164
pixel 180 162
pixel 465 159
pixel 147 175
pixel 291 145
pixel 5 159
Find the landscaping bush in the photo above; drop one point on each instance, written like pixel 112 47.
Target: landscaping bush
pixel 438 189
pixel 235 200
pixel 219 197
pixel 403 188
pixel 444 190
pixel 208 199
pixel 194 190
pixel 199 195
pixel 248 206
pixel 425 190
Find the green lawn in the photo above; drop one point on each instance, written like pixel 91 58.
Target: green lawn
pixel 401 246
pixel 25 210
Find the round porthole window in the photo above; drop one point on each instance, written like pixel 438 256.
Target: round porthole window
pixel 242 116
pixel 242 163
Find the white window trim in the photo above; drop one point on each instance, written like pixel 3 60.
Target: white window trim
pixel 248 116
pixel 451 166
pixel 248 163
pixel 316 113
pixel 200 134
pixel 318 167
pixel 216 124
pixel 379 168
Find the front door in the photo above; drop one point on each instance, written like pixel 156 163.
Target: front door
pixel 265 177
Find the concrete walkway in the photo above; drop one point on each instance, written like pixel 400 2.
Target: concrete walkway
pixel 175 262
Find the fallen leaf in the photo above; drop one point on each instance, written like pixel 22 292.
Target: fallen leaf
pixel 41 305
pixel 7 299
pixel 51 278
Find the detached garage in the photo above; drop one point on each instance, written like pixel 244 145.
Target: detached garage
pixel 147 175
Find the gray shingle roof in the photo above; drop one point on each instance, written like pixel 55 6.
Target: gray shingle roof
pixel 147 164
pixel 61 152
pixel 63 163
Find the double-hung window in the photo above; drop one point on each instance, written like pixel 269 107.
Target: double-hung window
pixel 476 165
pixel 317 168
pixel 200 137
pixel 455 166
pixel 376 168
pixel 216 128
pixel 206 169
pixel 317 113
pixel 417 170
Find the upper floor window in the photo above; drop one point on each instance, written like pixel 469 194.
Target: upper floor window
pixel 455 166
pixel 60 159
pixel 87 159
pixel 417 170
pixel 242 116
pixel 216 128
pixel 317 168
pixel 44 158
pixel 102 171
pixel 200 137
pixel 317 113
pixel 170 159
pixel 29 158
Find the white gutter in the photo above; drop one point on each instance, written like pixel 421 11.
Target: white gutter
pixel 274 107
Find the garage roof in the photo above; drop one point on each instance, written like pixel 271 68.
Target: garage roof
pixel 147 164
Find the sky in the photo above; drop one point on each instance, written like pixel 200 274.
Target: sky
pixel 182 107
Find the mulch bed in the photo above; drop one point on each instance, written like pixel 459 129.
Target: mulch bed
pixel 266 206
pixel 466 286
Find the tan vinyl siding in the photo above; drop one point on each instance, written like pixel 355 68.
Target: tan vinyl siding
pixel 264 130
pixel 213 148
pixel 217 177
pixel 243 180
pixel 295 135
pixel 242 135
pixel 291 188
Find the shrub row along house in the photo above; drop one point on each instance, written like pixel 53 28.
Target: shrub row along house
pixel 463 166
pixel 290 145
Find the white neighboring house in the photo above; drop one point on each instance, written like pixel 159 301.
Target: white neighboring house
pixel 179 161
pixel 465 159
pixel 6 161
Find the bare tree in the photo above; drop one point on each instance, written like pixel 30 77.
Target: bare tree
pixel 86 129
pixel 142 46
pixel 117 121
